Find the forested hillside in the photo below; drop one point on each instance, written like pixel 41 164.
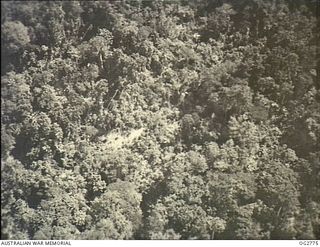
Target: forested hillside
pixel 177 119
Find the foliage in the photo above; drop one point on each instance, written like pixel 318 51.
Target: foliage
pixel 160 120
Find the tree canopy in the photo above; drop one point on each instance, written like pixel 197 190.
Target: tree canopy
pixel 160 119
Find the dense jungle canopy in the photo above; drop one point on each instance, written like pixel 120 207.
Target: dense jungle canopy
pixel 177 119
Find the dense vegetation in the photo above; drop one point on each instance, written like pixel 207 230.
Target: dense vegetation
pixel 160 120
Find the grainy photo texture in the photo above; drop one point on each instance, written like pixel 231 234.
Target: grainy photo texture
pixel 180 119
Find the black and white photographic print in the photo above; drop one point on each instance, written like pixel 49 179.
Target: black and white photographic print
pixel 160 120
